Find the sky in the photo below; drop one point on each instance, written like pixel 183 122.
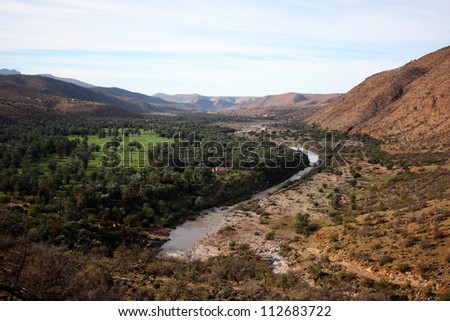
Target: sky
pixel 219 47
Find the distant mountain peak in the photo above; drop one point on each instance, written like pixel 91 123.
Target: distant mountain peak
pixel 8 72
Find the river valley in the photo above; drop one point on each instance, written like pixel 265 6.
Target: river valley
pixel 188 240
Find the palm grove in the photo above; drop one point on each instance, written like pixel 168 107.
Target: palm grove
pixel 53 196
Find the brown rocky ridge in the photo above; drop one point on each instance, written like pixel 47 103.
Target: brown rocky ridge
pixel 408 108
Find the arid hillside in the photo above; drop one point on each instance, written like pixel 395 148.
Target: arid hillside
pixel 290 100
pixel 284 106
pixel 408 108
pixel 282 113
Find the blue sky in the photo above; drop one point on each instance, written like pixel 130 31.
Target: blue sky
pixel 232 47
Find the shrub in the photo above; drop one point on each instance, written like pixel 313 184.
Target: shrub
pixel 33 210
pixel 132 220
pixel 316 271
pixel 424 268
pixel 356 175
pixel 376 246
pixel 270 235
pixel 438 234
pixel 410 241
pixel 244 248
pixel 263 221
pixel 33 199
pixel 286 281
pixel 303 225
pixel 334 238
pixel 385 259
pixel 284 250
pixel 403 267
pixel 425 244
pixel 361 256
pixel 445 296
pixel 226 228
pixel 337 219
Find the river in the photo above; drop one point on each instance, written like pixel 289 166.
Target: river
pixel 211 220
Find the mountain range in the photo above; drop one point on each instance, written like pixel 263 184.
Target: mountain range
pixel 249 102
pixel 75 96
pixel 70 98
pixel 407 108
pixel 206 102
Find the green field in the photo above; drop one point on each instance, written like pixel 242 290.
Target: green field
pixel 135 157
pixel 144 137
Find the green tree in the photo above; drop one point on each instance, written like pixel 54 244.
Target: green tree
pixel 303 224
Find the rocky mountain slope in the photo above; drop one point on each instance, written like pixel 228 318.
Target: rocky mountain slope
pixel 408 108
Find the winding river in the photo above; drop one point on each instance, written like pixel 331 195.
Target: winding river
pixel 186 235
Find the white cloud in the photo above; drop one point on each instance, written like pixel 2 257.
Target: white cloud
pixel 246 45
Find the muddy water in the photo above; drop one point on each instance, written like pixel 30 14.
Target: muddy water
pixel 186 235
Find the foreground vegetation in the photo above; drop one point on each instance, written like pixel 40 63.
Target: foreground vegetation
pixel 54 194
pixel 74 231
pixel 379 223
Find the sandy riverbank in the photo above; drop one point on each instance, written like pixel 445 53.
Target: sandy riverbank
pixel 267 225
